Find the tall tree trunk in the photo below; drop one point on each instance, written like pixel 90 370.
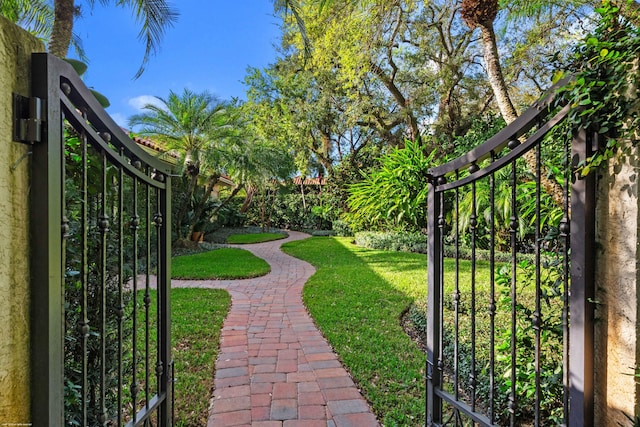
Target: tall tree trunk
pixel 400 99
pixel 185 208
pixel 508 111
pixel 304 202
pixel 494 73
pixel 226 201
pixel 64 13
pixel 213 180
pixel 248 199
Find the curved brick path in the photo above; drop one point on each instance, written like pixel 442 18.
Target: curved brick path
pixel 274 367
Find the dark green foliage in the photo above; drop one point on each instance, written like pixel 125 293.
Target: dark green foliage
pixel 91 274
pixel 551 338
pixel 395 194
pixel 605 89
pixel 392 241
pixel 289 208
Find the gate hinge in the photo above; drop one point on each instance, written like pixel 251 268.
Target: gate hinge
pixel 27 119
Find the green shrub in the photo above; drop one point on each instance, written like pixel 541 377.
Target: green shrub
pixel 342 228
pixel 392 241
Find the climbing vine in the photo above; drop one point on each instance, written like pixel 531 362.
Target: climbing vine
pixel 604 92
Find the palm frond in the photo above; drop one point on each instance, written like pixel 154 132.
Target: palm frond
pixel 155 16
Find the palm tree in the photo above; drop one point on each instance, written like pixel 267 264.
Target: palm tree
pixel 481 14
pixel 189 123
pixel 36 16
pixel 154 15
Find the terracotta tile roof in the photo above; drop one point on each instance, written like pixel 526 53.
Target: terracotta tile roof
pixel 320 180
pixel 146 142
pixel 155 148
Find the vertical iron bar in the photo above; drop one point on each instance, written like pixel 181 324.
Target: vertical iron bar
pixel 456 297
pixel 157 221
pixel 84 272
pixel 440 307
pixel 513 225
pixel 564 235
pixel 434 403
pixel 120 308
pixel 537 317
pixel 492 291
pixel 473 224
pixel 48 225
pixel 135 222
pixel 103 226
pixel 147 296
pixel 582 288
pixel 164 294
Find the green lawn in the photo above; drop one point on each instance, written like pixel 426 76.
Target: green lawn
pixel 197 317
pixel 224 263
pixel 240 239
pixel 357 297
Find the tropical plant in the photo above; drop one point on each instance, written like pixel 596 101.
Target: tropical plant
pixel 194 125
pixel 395 194
pixel 36 16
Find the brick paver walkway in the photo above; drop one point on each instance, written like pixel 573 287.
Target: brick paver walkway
pixel 274 367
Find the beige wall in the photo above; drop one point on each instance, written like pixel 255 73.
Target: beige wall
pixel 617 269
pixel 15 48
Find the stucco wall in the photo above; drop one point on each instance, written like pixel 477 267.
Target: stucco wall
pixel 15 48
pixel 617 270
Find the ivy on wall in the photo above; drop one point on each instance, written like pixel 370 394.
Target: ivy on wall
pixel 604 92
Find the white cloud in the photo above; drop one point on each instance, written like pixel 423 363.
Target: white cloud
pixel 140 101
pixel 120 119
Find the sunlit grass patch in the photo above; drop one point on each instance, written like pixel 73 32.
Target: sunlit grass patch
pixel 357 297
pixel 241 239
pixel 224 263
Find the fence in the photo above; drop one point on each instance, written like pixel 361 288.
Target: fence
pixel 100 225
pixel 510 314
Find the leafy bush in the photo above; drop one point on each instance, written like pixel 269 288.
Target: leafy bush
pixel 292 210
pixel 395 194
pixel 551 342
pixel 342 228
pixel 392 241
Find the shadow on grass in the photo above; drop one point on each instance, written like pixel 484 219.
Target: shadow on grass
pixel 357 297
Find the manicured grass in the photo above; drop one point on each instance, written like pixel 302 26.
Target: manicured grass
pixel 357 297
pixel 240 239
pixel 196 321
pixel 197 317
pixel 224 263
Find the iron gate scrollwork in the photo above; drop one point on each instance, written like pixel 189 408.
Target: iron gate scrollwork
pixel 101 242
pixel 509 327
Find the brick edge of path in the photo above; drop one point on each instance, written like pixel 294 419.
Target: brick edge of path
pixel 274 367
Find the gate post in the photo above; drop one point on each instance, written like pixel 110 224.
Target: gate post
pixel 47 316
pixel 434 253
pixel 581 335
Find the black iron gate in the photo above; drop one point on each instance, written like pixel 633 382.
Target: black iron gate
pixel 510 308
pixel 100 216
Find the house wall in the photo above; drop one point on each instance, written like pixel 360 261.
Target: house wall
pixel 15 48
pixel 617 269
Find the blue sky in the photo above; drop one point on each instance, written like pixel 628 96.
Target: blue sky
pixel 209 48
